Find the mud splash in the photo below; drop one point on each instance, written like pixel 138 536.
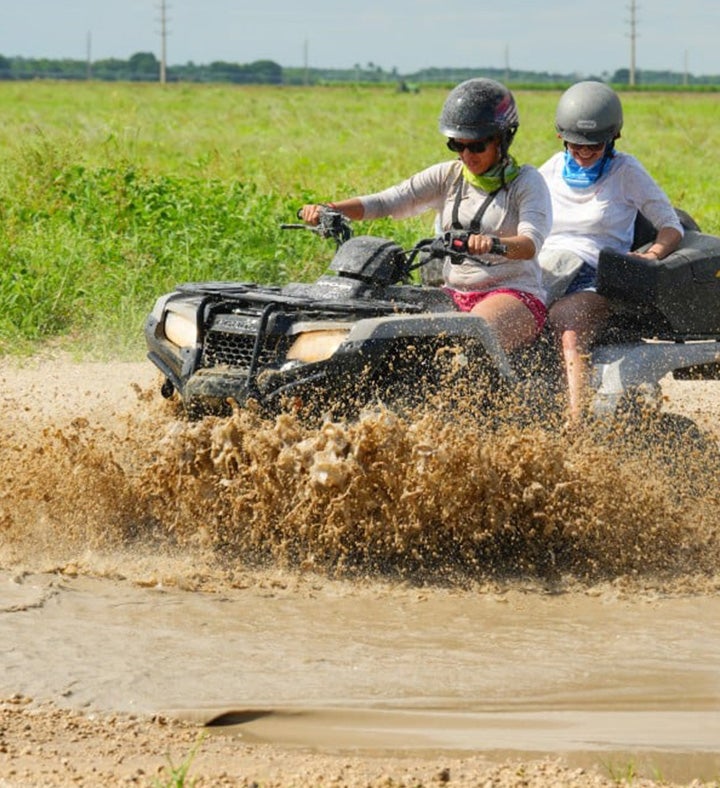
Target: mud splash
pixel 422 497
pixel 417 585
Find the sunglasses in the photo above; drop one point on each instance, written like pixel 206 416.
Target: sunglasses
pixel 479 146
pixel 596 146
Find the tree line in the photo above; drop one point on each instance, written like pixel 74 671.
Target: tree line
pixel 145 67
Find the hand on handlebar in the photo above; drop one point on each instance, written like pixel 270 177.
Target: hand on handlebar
pixel 324 220
pixel 311 214
pixel 461 245
pixel 484 244
pixel 456 246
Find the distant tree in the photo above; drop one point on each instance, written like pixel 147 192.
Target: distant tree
pixel 224 71
pixel 143 65
pixel 259 72
pixel 267 71
pixel 111 69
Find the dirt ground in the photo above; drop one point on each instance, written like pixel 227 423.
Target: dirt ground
pixel 54 741
pixel 41 745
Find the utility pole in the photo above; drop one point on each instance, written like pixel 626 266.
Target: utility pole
pixel 633 37
pixel 88 58
pixel 163 42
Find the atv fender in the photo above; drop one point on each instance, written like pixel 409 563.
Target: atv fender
pixel 432 325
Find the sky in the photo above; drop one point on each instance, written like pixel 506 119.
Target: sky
pixel 579 37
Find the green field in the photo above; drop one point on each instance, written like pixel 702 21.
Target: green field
pixel 111 193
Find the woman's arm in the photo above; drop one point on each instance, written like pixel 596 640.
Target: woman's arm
pixel 351 207
pixel 667 241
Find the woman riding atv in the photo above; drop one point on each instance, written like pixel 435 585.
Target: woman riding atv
pixel 597 193
pixel 485 192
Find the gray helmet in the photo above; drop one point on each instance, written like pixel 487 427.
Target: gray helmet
pixel 589 112
pixel 480 108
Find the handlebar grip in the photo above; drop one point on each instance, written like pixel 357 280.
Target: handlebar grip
pixel 457 242
pixel 498 247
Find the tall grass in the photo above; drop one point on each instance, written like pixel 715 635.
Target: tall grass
pixel 111 194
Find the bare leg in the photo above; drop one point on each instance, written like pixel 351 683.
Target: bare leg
pixel 577 320
pixel 512 321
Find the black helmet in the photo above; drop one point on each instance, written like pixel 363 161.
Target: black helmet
pixel 480 108
pixel 589 112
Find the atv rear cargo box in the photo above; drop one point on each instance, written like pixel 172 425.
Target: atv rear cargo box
pixel 684 288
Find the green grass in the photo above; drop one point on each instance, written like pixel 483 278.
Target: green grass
pixel 177 775
pixel 110 194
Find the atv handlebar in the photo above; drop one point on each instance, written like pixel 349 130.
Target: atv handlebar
pixel 453 245
pixel 333 224
pixel 458 244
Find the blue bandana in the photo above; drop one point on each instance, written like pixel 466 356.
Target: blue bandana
pixel 578 177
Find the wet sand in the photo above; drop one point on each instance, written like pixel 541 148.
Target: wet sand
pixel 120 650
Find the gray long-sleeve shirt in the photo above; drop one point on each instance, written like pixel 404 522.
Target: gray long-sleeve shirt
pixel 522 208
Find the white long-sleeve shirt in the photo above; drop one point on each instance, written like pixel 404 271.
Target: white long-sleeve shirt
pixel 523 208
pixel 602 215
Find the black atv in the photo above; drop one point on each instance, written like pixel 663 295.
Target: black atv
pixel 364 333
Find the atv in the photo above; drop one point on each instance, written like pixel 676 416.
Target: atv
pixel 366 333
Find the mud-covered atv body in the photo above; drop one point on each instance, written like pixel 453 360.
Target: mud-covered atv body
pixel 362 334
pixel 665 317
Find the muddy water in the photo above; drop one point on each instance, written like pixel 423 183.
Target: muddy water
pixel 391 585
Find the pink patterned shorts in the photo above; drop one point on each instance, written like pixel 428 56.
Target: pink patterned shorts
pixel 465 301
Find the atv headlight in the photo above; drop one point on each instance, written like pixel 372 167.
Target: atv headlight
pixel 181 330
pixel 317 345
